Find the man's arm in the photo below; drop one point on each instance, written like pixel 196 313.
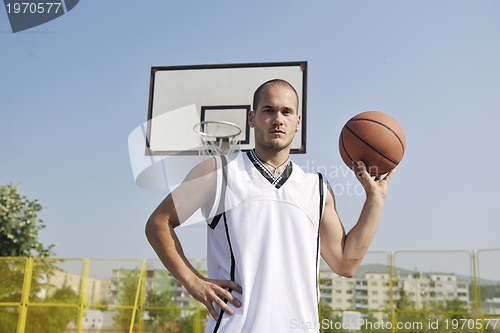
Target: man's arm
pixel 195 191
pixel 344 252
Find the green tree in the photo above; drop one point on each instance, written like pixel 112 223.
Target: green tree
pixel 407 313
pixel 19 237
pixel 453 313
pixel 163 314
pixel 186 323
pixel 488 291
pixel 126 291
pixel 20 224
pixel 43 319
pixel 53 319
pixel 330 321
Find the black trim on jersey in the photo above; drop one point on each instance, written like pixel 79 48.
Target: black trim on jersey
pixel 321 198
pixel 321 195
pixel 220 208
pixel 233 266
pixel 216 328
pixel 317 268
pixel 233 262
pixel 276 182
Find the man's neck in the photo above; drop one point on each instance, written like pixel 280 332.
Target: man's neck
pixel 275 158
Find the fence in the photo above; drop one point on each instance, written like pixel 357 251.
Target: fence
pixel 400 291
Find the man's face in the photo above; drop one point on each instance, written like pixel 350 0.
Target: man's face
pixel 275 119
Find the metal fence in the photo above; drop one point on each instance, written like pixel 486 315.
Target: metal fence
pixel 400 291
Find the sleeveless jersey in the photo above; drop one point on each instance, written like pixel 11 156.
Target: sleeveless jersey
pixel 263 233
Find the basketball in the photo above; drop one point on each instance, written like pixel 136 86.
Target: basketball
pixel 374 138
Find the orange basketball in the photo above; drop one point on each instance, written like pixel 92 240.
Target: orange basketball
pixel 374 138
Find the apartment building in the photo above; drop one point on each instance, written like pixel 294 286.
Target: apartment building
pixel 491 306
pixel 97 291
pixel 372 291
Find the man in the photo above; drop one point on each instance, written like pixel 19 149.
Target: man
pixel 267 223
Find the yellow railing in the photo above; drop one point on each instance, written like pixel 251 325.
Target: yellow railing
pixel 117 295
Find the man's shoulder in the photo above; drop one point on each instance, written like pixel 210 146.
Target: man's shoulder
pixel 232 158
pixel 302 171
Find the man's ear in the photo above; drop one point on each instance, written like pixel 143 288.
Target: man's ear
pixel 251 117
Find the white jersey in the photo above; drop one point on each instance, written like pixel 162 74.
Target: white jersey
pixel 263 233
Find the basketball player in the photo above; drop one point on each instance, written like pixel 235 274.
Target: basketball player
pixel 268 221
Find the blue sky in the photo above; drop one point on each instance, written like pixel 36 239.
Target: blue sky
pixel 72 90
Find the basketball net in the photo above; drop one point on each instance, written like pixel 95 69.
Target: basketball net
pixel 217 137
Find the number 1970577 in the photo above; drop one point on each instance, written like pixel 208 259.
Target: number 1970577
pixel 33 8
pixel 471 324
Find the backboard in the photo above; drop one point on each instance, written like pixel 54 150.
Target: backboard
pixel 182 96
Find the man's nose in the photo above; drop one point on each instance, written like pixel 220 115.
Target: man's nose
pixel 278 118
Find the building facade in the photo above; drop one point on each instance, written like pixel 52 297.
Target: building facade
pixel 372 291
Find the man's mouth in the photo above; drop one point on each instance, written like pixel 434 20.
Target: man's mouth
pixel 277 131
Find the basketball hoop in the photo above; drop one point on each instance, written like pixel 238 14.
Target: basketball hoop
pixel 217 137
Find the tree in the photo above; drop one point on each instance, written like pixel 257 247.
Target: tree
pixel 125 293
pixel 409 314
pixel 19 227
pixel 163 313
pixel 329 320
pixel 53 319
pixel 20 224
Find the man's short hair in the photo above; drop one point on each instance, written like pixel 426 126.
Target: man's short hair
pixel 278 82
